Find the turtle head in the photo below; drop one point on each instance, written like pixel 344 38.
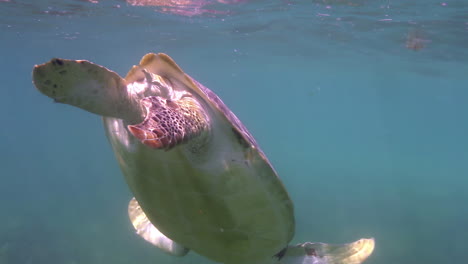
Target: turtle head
pixel 169 123
pixel 86 85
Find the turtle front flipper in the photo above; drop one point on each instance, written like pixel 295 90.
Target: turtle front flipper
pixel 321 253
pixel 150 233
pixel 86 85
pixel 170 122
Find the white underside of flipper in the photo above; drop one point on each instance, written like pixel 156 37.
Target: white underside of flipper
pixel 321 253
pixel 150 233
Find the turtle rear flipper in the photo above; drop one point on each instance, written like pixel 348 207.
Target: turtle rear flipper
pixel 150 233
pixel 321 253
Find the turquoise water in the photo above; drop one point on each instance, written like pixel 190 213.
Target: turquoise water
pixel 360 105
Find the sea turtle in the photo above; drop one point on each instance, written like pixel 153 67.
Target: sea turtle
pixel 199 178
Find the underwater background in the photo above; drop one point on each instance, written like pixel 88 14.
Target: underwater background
pixel 361 106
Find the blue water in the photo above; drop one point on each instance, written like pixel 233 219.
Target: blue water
pixel 367 131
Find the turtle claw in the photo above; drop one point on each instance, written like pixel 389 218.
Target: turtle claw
pixel 321 253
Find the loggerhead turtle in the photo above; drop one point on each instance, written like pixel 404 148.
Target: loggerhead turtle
pixel 200 180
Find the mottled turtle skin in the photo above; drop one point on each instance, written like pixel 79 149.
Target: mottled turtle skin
pixel 200 180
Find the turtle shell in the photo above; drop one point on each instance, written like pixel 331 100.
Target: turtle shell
pixel 221 198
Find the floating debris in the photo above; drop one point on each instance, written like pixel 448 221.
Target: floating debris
pixel 415 40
